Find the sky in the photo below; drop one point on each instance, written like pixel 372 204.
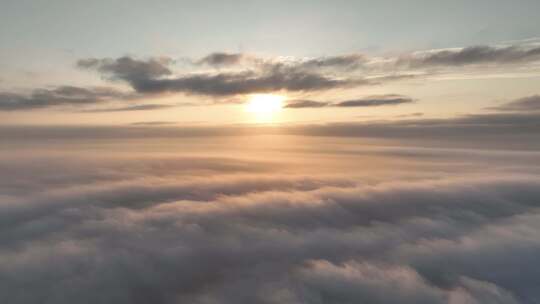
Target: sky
pixel 488 55
pixel 272 152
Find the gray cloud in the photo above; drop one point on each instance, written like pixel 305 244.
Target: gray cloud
pixel 473 55
pixel 127 68
pixel 221 59
pixel 373 101
pixel 417 114
pixel 363 282
pixel 260 75
pixel 154 233
pixel 525 104
pixel 225 84
pixel 140 107
pixel 147 77
pixel 153 123
pixel 514 126
pixel 342 62
pixel 495 130
pixel 501 130
pixel 60 96
pixel 299 104
pixel 155 217
pixel 370 101
pixel 348 62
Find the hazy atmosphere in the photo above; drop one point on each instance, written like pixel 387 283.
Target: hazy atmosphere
pixel 318 152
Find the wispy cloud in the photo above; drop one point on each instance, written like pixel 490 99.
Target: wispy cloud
pixel 525 104
pixel 153 123
pixel 370 101
pixel 482 54
pixel 60 96
pixel 140 107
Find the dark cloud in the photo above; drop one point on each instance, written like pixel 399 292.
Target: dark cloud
pixel 147 77
pixel 474 55
pixel 340 62
pixel 60 96
pixel 298 104
pixel 525 104
pixel 225 84
pixel 373 101
pixel 127 68
pixel 370 101
pixel 221 59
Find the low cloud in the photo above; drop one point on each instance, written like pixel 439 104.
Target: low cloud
pixel 473 55
pixel 232 74
pixel 374 101
pixel 153 123
pixel 60 96
pixel 299 104
pixel 501 129
pixel 344 213
pixel 370 101
pixel 165 228
pixel 417 114
pixel 525 104
pixel 346 62
pixel 517 129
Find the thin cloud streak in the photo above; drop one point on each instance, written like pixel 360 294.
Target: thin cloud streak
pixel 370 101
pixel 481 54
pixel 141 107
pixel 60 96
pixel 525 104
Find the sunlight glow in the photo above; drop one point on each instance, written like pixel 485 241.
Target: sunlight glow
pixel 264 103
pixel 264 108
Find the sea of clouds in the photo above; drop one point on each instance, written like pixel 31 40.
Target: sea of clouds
pixel 266 219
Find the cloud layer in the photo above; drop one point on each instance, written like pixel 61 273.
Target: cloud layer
pixel 323 220
pixel 222 75
pixel 145 77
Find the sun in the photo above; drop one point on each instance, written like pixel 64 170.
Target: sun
pixel 264 103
